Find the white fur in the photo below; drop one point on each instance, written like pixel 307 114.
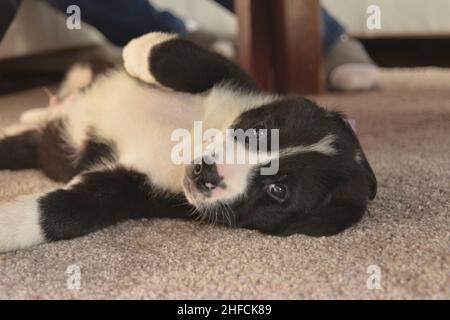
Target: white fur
pixel 78 77
pixel 19 224
pixel 236 176
pixel 225 103
pixel 136 55
pixel 236 173
pixel 73 182
pixel 17 129
pixel 40 117
pixel 34 119
pixel 35 116
pixel 141 121
pixel 324 146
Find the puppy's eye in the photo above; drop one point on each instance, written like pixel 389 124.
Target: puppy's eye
pixel 279 192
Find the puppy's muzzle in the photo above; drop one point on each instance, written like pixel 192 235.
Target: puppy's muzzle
pixel 204 176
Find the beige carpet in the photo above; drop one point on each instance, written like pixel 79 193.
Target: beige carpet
pixel 405 128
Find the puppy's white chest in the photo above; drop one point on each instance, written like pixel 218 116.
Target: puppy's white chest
pixel 139 120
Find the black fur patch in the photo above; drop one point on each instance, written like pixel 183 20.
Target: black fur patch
pixel 104 198
pixel 94 150
pixel 183 66
pixel 61 162
pixel 55 154
pixel 98 68
pixel 20 152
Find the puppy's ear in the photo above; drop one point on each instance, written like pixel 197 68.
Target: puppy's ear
pixel 362 160
pixel 339 209
pixel 373 185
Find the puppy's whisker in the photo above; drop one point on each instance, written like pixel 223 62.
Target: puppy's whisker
pixel 224 212
pixel 230 214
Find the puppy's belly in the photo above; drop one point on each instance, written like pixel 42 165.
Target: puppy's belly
pixel 139 119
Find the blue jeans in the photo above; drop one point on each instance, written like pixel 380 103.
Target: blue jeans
pixel 122 20
pixel 331 30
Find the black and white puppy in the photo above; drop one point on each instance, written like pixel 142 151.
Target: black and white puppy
pixel 112 144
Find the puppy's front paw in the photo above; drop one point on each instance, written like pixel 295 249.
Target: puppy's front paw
pixel 16 129
pixel 35 116
pixel 33 119
pixel 136 54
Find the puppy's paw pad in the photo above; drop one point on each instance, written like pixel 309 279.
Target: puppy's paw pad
pixel 136 54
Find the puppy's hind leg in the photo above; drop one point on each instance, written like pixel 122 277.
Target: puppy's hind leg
pixel 45 149
pixel 167 61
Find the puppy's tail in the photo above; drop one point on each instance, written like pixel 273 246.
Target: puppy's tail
pixel 20 151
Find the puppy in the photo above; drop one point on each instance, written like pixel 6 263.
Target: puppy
pixel 112 141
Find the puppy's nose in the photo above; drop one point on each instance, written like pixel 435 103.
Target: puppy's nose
pixel 204 174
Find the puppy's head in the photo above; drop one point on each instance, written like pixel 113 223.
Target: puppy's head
pixel 320 184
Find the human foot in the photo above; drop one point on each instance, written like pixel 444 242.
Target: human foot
pixel 349 67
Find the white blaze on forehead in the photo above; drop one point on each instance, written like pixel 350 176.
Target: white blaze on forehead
pixel 239 174
pixel 236 174
pixel 225 103
pixel 324 146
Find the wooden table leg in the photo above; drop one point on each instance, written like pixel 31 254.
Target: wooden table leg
pixel 280 44
pixel 254 45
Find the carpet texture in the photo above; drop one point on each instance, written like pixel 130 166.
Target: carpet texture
pixel 405 129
